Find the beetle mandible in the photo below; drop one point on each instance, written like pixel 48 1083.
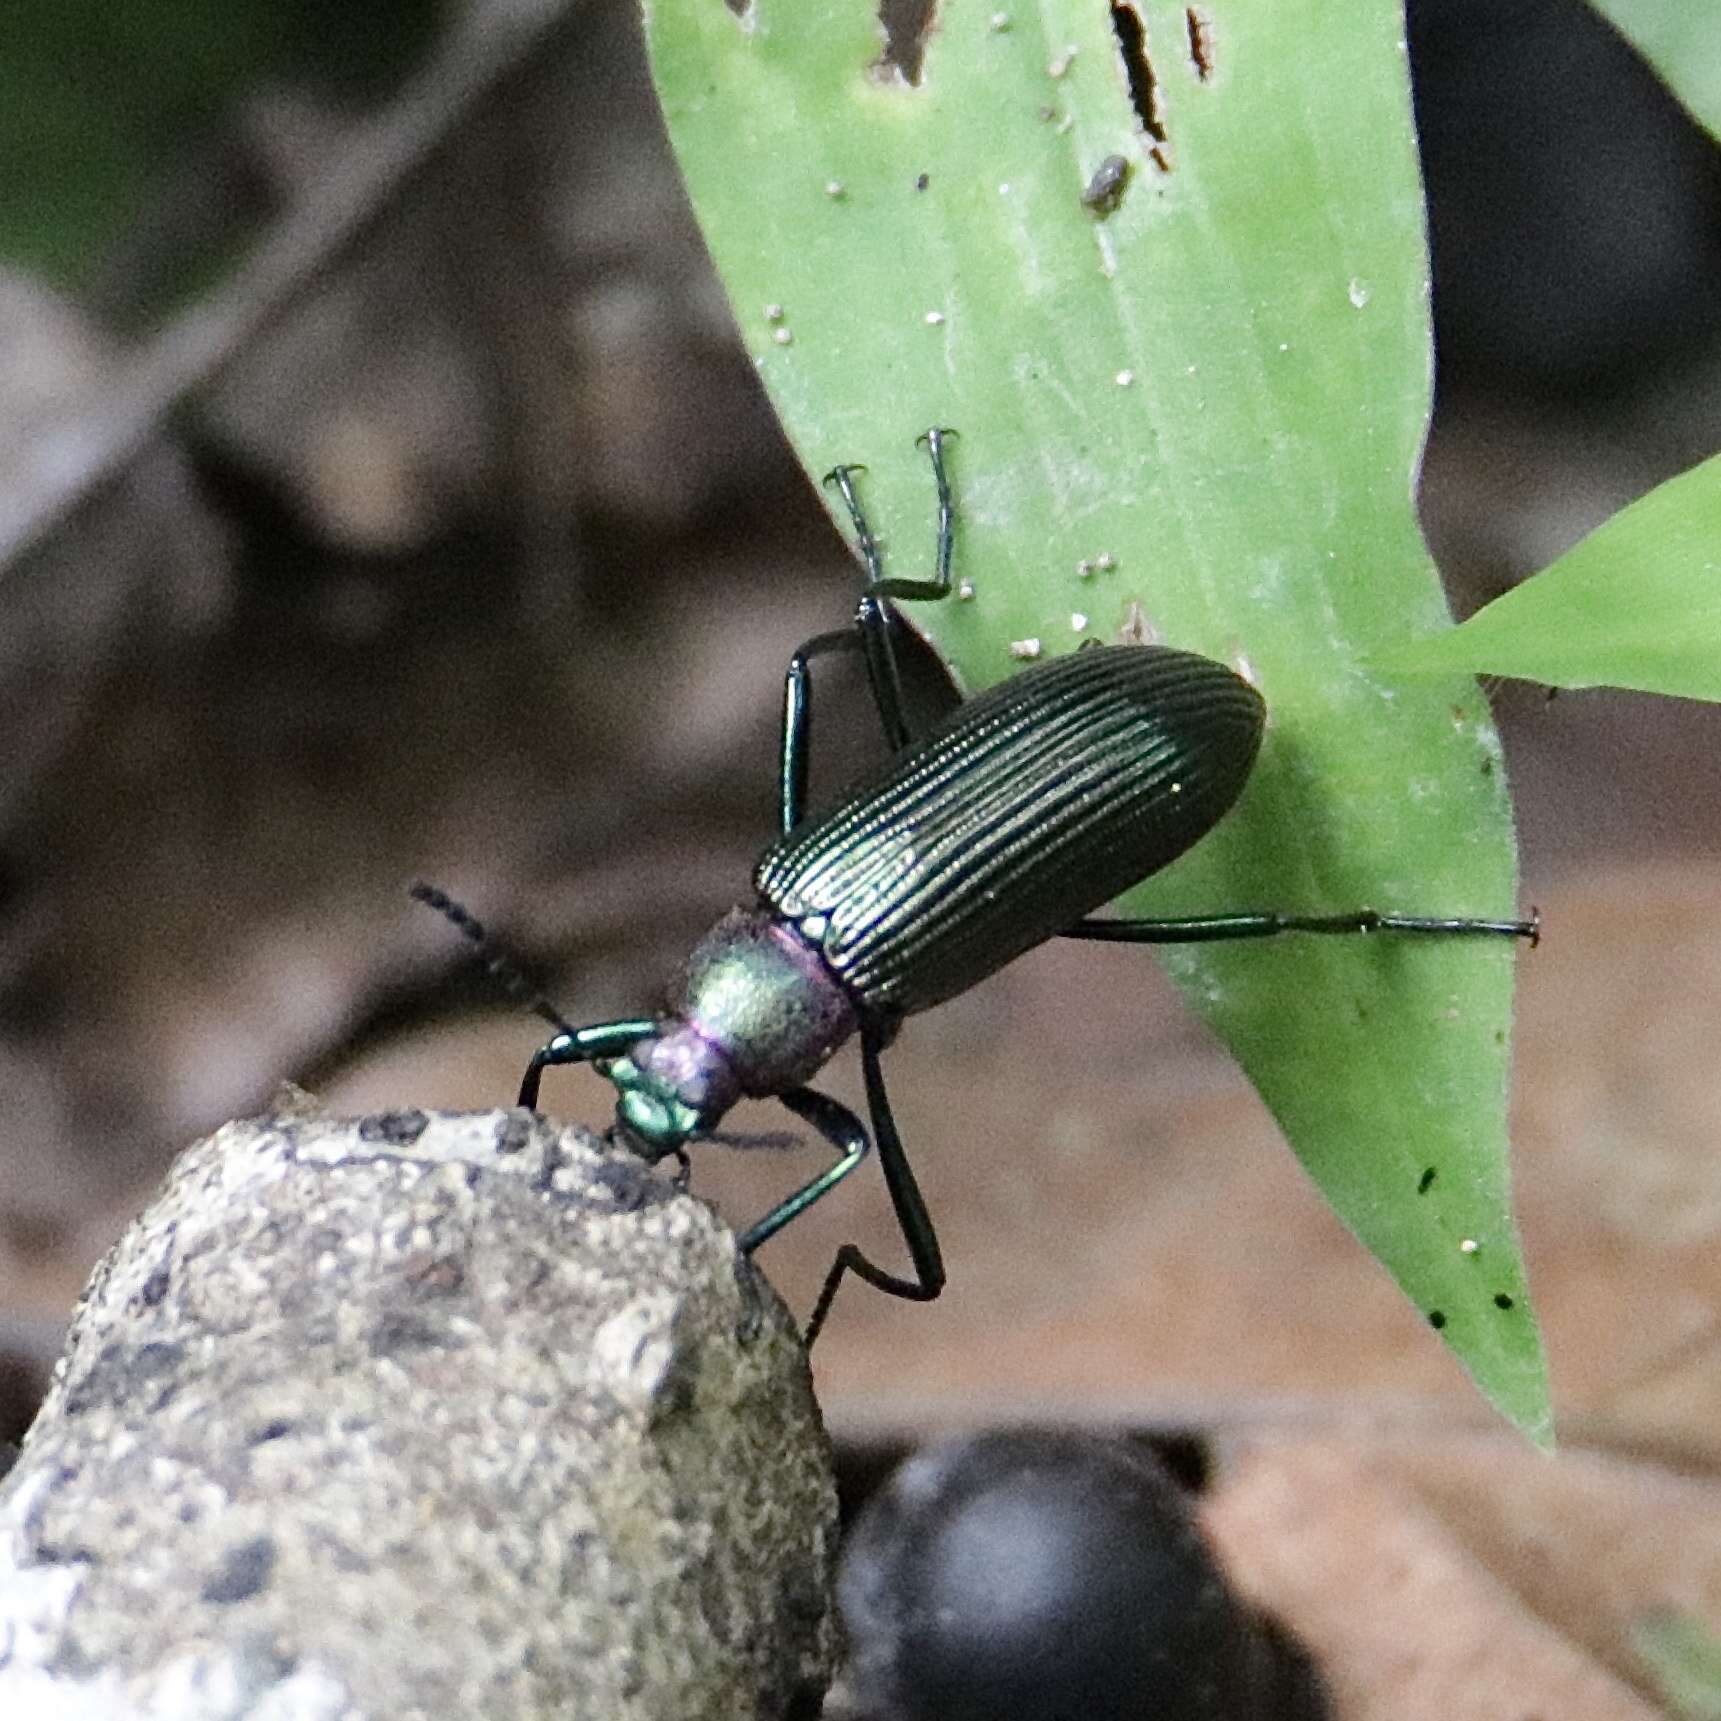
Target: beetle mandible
pixel 1030 806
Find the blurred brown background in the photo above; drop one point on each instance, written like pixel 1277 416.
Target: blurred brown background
pixel 475 555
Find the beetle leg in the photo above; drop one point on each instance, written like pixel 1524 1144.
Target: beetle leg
pixel 798 723
pixel 867 545
pixel 1210 928
pixel 911 1213
pixel 603 1040
pixel 870 635
pixel 938 586
pixel 873 622
pixel 842 1130
pixel 873 617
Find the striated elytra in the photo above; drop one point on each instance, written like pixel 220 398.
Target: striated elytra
pixel 1036 803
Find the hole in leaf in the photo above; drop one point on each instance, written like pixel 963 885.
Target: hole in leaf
pixel 906 24
pixel 1200 42
pixel 1131 35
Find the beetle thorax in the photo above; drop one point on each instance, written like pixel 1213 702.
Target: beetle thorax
pixel 762 997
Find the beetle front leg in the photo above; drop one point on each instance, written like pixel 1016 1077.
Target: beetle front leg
pixel 912 591
pixel 582 1046
pixel 798 724
pixel 873 616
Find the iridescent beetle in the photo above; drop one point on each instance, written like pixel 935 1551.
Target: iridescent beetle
pixel 1030 806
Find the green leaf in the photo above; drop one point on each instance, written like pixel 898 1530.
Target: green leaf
pixel 1685 1657
pixel 1682 41
pixel 1635 604
pixel 1216 392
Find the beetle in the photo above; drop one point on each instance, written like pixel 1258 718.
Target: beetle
pixel 1033 804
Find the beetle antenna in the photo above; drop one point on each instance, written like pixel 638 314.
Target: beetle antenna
pixel 500 966
pixel 773 1140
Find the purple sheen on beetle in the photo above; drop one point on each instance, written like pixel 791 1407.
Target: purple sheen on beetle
pixel 681 1063
pixel 762 1000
